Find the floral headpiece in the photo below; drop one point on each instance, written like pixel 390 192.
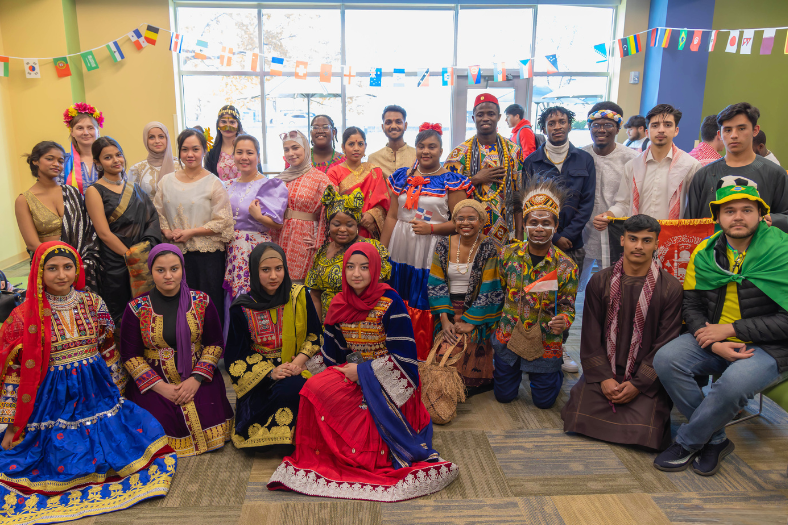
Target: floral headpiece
pixel 208 138
pixel 82 107
pixel 606 113
pixel 434 127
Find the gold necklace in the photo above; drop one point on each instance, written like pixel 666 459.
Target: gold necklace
pixel 470 253
pixel 551 160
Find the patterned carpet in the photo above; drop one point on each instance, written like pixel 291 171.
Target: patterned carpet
pixel 516 466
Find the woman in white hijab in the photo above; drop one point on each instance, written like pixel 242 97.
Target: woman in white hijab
pixel 159 162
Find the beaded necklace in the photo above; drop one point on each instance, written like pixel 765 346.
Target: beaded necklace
pixel 470 254
pixel 473 164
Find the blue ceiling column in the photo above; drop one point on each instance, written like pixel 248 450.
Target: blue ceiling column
pixel 678 77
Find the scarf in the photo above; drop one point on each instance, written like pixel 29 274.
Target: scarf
pixel 36 340
pixel 557 154
pixel 162 160
pixel 611 324
pixel 351 205
pixel 259 299
pixel 763 266
pixel 72 171
pixel 347 306
pixel 182 330
pixel 293 172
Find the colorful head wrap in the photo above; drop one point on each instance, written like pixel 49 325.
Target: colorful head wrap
pixel 542 198
pixel 606 113
pixel 485 97
pixel 470 203
pixel 335 202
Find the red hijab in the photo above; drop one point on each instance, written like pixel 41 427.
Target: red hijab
pixel 31 329
pixel 347 306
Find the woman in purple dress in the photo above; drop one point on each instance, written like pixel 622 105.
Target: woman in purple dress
pixel 171 343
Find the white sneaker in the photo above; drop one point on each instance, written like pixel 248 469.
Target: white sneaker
pixel 569 364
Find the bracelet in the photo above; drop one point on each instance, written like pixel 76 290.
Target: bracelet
pixel 432 228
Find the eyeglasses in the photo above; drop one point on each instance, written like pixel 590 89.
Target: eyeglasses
pixel 607 126
pixel 469 220
pixel 324 127
pixel 291 134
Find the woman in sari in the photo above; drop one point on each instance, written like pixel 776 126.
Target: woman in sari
pixel 74 446
pixel 273 331
pixel 258 205
pixel 172 341
pixel 354 174
pixel 304 229
pixel 51 212
pixel 363 431
pixel 127 225
pixel 324 279
pixel 148 172
pixel 465 293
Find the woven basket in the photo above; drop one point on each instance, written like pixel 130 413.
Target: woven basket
pixel 441 385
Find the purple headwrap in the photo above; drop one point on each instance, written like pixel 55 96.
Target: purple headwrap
pixel 183 333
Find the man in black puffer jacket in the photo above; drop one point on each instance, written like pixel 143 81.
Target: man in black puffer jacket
pixel 735 301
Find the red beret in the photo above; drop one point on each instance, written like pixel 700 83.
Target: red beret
pixel 485 97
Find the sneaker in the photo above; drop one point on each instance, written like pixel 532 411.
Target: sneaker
pixel 674 458
pixel 569 364
pixel 710 458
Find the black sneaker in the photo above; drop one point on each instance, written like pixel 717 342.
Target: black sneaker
pixel 674 458
pixel 710 458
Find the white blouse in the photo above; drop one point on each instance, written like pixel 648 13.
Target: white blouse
pixel 200 204
pixel 146 176
pixel 458 281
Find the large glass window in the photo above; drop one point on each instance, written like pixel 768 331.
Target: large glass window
pixel 577 94
pixel 494 35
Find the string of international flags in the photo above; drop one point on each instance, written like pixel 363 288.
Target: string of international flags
pixel 623 47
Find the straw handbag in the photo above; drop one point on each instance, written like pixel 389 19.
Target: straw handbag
pixel 527 343
pixel 441 385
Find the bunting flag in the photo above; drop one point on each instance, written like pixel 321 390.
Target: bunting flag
pixel 447 74
pixel 635 44
pixel 733 42
pixel 746 41
pixel 696 36
pixel 226 56
pixel 399 77
pixel 424 78
pixel 768 41
pixel 4 63
pixel 682 39
pixel 712 40
pixel 176 42
pixel 600 50
pixel 349 75
pixel 61 67
pixel 666 37
pixel 527 68
pixel 375 77
pixel 137 39
pixel 499 73
pixel 301 69
pixel 255 60
pixel 552 64
pixel 114 51
pixel 32 69
pixel 200 52
pixel 623 47
pixel 654 33
pixel 474 75
pixel 325 73
pixel 89 59
pixel 277 66
pixel 151 34
pixel 786 44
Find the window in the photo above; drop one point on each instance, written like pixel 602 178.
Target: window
pixel 577 94
pixel 494 35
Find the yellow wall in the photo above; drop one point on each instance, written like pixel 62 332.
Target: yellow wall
pixel 635 20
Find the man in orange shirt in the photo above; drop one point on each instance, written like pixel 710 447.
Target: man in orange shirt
pixel 522 132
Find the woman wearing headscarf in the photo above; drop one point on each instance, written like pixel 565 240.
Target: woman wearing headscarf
pixel 219 160
pixel 274 329
pixel 160 161
pixel 172 341
pixel 363 431
pixel 74 446
pixel 465 293
pixel 324 279
pixel 304 229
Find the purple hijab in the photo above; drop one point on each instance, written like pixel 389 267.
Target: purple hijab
pixel 182 330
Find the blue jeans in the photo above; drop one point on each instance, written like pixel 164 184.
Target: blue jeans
pixel 678 362
pixel 545 387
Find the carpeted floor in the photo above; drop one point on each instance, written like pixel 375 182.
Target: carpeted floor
pixel 516 466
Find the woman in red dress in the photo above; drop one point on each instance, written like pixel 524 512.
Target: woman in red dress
pixel 365 176
pixel 363 431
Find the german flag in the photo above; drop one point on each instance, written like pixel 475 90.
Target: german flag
pixel 151 34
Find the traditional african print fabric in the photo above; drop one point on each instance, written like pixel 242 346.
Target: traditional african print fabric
pixel 500 199
pixel 326 274
pixel 370 440
pixel 258 342
pixel 86 450
pixel 516 272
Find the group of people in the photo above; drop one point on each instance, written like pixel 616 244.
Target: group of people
pixel 324 287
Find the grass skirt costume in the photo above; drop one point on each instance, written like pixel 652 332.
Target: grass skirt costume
pixel 81 449
pixel 266 331
pixel 370 440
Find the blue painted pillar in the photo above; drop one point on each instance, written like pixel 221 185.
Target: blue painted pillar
pixel 678 77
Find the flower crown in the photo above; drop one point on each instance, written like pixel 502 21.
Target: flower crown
pixel 82 107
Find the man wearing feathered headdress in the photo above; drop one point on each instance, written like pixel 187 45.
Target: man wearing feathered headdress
pixel 540 282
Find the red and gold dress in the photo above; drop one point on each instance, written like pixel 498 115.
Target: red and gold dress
pixel 372 183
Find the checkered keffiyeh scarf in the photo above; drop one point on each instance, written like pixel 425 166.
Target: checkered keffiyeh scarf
pixel 611 324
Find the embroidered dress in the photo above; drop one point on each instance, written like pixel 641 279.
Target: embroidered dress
pixel 326 274
pixel 86 449
pixel 248 233
pixel 370 440
pixel 336 159
pixel 146 176
pixel 304 229
pixel 258 342
pixel 480 306
pixel 203 424
pixel 411 254
pixel 370 180
pixel 500 199
pixel 226 168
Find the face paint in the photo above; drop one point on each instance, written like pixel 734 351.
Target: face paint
pixel 549 230
pixel 228 127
